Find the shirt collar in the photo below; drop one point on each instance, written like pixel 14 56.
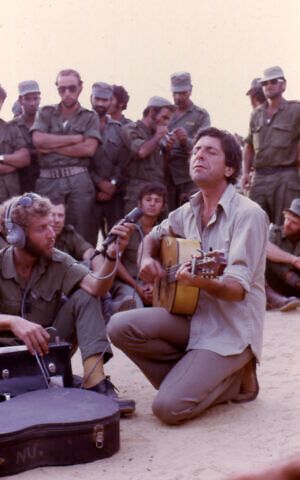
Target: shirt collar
pixel 57 109
pixel 8 264
pixel 224 202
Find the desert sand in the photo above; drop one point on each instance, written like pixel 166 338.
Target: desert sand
pixel 227 439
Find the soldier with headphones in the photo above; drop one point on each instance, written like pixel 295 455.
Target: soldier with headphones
pixel 33 278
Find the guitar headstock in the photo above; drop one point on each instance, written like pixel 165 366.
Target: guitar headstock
pixel 209 265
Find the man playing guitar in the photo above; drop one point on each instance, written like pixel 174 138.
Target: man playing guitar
pixel 199 360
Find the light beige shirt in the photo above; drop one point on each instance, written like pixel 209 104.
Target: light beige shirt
pixel 239 228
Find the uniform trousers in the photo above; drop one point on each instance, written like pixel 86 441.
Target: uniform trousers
pixel 188 382
pixel 81 318
pixel 79 321
pixel 274 192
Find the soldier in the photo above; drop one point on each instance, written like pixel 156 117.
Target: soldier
pixel 185 123
pixel 67 136
pixel 256 94
pixel 283 254
pixel 119 103
pixel 127 290
pixel 13 156
pixel 147 141
pixel 271 148
pixel 109 161
pixel 29 99
pixel 34 276
pixel 67 239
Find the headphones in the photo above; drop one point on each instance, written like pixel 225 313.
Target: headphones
pixel 15 235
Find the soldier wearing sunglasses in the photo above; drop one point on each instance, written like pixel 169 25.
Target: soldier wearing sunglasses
pixel 67 136
pixel 271 149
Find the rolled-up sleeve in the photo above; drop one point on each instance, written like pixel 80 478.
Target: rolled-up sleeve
pixel 248 247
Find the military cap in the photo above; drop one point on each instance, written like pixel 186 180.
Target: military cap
pixel 160 103
pixel 181 82
pixel 295 207
pixel 272 73
pixel 28 86
pixel 102 90
pixel 16 108
pixel 255 86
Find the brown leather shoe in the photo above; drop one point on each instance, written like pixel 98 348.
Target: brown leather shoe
pixel 249 387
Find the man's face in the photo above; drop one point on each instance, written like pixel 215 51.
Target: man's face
pixel 30 103
pixel 152 204
pixel 162 118
pixel 274 88
pixel 40 237
pixel 100 105
pixel 182 99
pixel 69 90
pixel 291 225
pixel 58 214
pixel 207 163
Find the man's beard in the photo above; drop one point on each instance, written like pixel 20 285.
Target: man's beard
pixel 101 111
pixel 35 251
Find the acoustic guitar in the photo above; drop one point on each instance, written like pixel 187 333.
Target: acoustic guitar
pixel 172 295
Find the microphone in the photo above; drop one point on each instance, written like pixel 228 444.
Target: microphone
pixel 132 217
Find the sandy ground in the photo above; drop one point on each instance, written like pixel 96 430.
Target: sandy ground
pixel 226 439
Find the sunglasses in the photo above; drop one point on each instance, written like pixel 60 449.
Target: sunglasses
pixel 274 81
pixel 71 88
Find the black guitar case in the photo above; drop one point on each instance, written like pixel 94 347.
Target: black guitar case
pixel 58 426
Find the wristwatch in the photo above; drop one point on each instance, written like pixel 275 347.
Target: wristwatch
pixel 1 158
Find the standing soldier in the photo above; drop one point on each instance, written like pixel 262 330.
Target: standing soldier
pixel 119 103
pixel 109 161
pixel 272 148
pixel 185 123
pixel 13 156
pixel 29 99
pixel 255 93
pixel 147 140
pixel 67 136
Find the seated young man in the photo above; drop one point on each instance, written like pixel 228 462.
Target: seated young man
pixel 209 357
pixel 68 240
pixel 34 276
pixel 283 259
pixel 127 290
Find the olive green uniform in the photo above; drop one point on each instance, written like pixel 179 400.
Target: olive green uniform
pixel 40 300
pixel 109 164
pixel 275 141
pixel 11 140
pixel 276 271
pixel 140 171
pixel 68 176
pixel 27 175
pixel 124 120
pixel 71 242
pixel 120 289
pixel 180 186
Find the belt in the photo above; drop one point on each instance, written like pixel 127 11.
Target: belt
pixel 270 170
pixel 61 172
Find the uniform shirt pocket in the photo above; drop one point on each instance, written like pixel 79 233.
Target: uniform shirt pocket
pixel 282 136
